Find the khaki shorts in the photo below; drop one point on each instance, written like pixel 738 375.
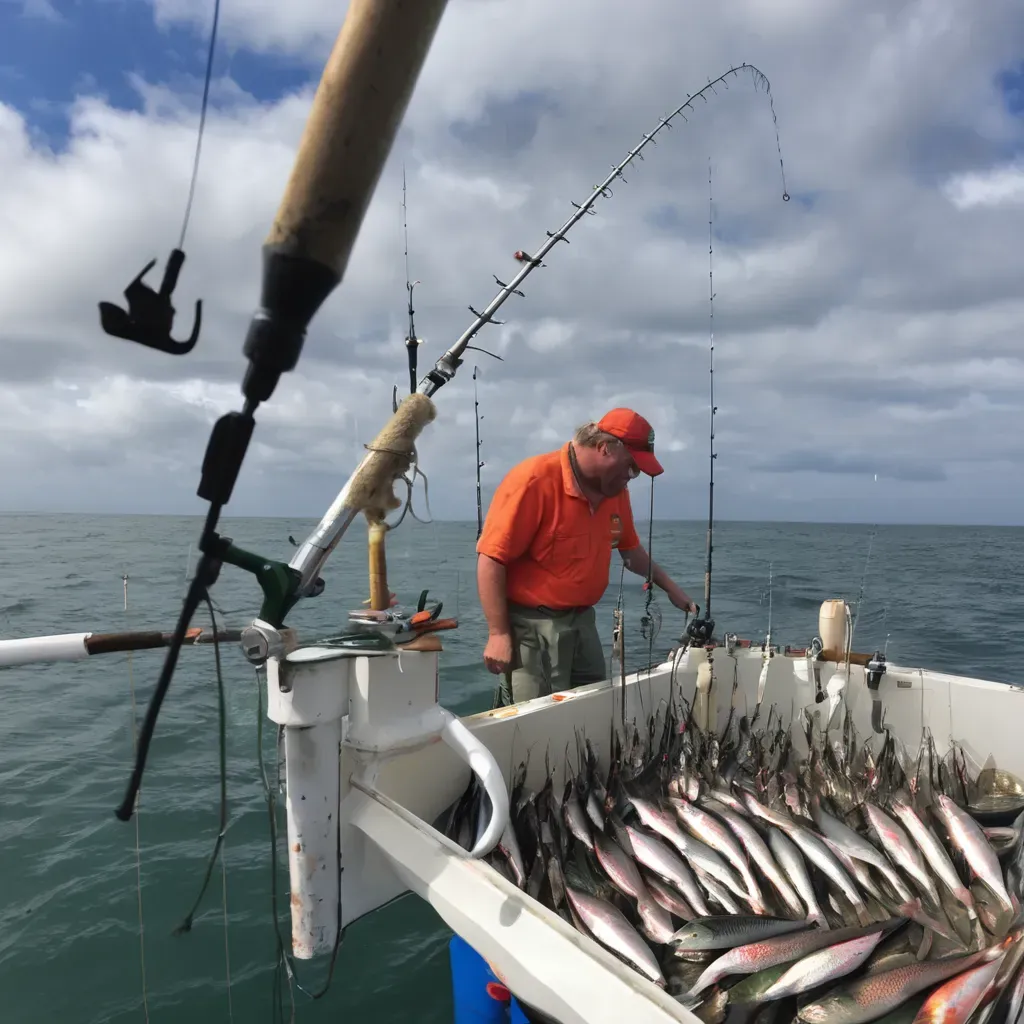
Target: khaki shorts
pixel 551 651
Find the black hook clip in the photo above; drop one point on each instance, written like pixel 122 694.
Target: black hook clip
pixel 150 314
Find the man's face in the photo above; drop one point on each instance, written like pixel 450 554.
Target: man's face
pixel 617 468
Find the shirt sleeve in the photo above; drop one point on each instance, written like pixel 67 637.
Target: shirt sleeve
pixel 514 516
pixel 629 539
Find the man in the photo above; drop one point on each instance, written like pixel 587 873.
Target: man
pixel 545 552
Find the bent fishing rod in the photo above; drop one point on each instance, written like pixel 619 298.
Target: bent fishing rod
pixel 362 97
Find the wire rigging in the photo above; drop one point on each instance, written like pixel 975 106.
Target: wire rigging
pixel 202 124
pixel 138 848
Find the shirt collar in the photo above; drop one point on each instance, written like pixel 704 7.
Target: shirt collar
pixel 569 481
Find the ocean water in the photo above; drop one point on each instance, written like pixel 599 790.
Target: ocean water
pixel 70 883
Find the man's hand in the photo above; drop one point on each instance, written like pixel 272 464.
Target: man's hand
pixel 498 653
pixel 682 601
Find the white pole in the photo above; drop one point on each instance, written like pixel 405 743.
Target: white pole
pixel 30 649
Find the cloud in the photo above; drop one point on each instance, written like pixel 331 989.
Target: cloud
pixel 870 325
pixel 995 187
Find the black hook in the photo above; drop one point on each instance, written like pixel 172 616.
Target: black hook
pixel 150 314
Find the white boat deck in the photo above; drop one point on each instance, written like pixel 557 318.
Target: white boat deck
pixel 396 777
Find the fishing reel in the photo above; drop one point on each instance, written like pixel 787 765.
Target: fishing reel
pixel 700 631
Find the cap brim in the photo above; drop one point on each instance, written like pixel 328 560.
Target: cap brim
pixel 646 462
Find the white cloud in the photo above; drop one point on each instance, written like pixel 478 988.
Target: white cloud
pixel 993 187
pixel 873 321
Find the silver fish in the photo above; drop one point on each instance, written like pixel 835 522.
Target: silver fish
pixel 508 846
pixel 671 900
pixel 824 965
pixel 575 818
pixel 759 852
pixel 724 796
pixel 934 852
pixel 858 869
pixel 663 861
pixel 699 854
pixel 717 893
pixel 765 953
pixel 966 834
pixel 611 929
pixel 621 870
pixel 901 850
pixel 857 847
pixel 820 855
pixel 655 920
pixel 792 863
pixel 707 828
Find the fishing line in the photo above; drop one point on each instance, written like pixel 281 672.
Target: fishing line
pixel 202 123
pixel 227 954
pixel 284 962
pixel 618 647
pixel 860 596
pixel 647 626
pixel 138 850
pixel 186 924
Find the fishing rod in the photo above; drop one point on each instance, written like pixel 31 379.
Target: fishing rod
pixel 445 367
pixel 412 343
pixel 361 99
pixel 701 630
pixel 479 465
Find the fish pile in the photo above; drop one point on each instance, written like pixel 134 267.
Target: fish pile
pixel 836 887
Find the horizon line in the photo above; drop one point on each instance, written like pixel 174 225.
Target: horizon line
pixel 472 522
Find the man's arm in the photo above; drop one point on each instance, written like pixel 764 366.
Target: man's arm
pixel 512 521
pixel 637 560
pixel 490 582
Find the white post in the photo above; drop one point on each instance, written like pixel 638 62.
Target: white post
pixel 308 694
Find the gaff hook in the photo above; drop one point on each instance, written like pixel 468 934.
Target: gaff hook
pixel 150 314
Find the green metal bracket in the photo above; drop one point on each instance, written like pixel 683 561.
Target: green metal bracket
pixel 278 581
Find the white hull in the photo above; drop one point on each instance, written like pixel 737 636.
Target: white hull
pixel 396 777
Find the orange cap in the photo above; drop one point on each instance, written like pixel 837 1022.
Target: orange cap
pixel 636 434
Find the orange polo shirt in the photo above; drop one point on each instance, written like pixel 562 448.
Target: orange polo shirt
pixel 555 550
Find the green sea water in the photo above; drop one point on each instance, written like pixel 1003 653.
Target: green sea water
pixel 70 944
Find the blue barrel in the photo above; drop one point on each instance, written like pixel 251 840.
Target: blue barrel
pixel 477 994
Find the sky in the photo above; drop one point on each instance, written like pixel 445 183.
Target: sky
pixel 869 333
